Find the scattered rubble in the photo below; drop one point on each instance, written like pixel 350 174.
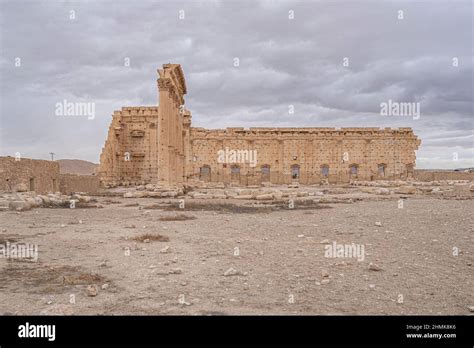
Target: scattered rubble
pixel 374 267
pixel 232 272
pixel 166 250
pixel 92 290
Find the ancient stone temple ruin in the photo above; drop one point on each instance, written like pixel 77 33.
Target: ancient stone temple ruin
pixel 156 144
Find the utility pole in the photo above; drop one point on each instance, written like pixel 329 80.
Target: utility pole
pixel 52 155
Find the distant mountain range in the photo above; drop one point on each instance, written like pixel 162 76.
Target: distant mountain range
pixel 80 167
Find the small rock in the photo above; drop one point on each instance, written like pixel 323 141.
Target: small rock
pixel 410 190
pixel 471 308
pixel 19 205
pixel 325 241
pixel 374 267
pixel 325 281
pixel 325 273
pixel 166 250
pixel 231 272
pixel 176 271
pixel 105 286
pixel 92 290
pixel 378 223
pixel 264 197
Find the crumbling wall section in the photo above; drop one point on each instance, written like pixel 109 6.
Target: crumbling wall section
pixel 71 183
pixel 434 175
pixel 24 174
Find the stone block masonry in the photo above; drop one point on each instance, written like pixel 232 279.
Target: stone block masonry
pixel 436 175
pixel 28 175
pixel 156 144
pixel 71 183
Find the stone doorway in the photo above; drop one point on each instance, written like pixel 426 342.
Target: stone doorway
pixel 325 171
pixel 265 173
pixel 205 173
pixel 381 168
pixel 353 171
pixel 235 173
pixel 295 172
pixel 32 184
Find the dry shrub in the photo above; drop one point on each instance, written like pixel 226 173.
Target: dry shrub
pixel 151 237
pixel 82 278
pixel 178 217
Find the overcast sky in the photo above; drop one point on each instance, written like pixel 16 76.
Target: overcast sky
pixel 81 56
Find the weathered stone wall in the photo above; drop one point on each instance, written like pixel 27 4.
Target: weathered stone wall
pixel 158 145
pixel 71 183
pixel 315 154
pixel 28 175
pixel 432 175
pixel 130 154
pixel 147 144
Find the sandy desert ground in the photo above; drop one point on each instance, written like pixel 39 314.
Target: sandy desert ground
pixel 148 256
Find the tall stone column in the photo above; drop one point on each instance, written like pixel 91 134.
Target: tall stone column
pixel 163 130
pixel 172 88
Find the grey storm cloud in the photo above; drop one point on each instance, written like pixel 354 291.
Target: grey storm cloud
pixel 282 62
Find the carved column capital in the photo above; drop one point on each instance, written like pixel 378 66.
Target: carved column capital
pixel 165 84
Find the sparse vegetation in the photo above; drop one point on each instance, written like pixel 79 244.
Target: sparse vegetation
pixel 82 278
pixel 39 278
pixel 9 238
pixel 151 237
pixel 178 217
pixel 239 208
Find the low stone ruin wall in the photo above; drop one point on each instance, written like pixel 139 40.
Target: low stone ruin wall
pixel 70 183
pixel 24 174
pixel 431 175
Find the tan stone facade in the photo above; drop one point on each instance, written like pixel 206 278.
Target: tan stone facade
pixel 146 144
pixel 28 175
pixel 158 145
pixel 71 183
